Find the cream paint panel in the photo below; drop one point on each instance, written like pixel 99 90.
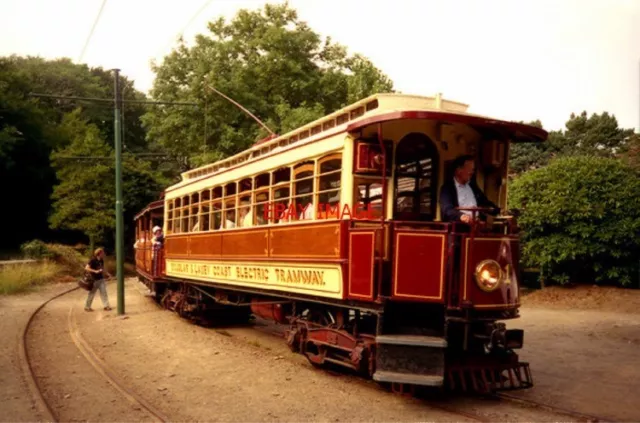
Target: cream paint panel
pixel 386 102
pixel 316 149
pixel 317 279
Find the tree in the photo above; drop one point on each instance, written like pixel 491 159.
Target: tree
pixel 267 60
pixel 581 219
pixel 596 135
pixel 85 197
pixel 30 131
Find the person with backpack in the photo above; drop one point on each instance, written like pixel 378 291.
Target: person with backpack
pixel 95 268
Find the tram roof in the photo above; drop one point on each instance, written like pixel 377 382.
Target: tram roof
pixel 374 109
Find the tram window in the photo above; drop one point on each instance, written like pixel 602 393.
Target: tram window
pixel 216 216
pixel 185 220
pixel 330 174
pixel 246 185
pixel 205 210
pixel 170 222
pixel 230 214
pixel 368 199
pixel 176 220
pixel 405 193
pixel 303 190
pixel 262 180
pixel 230 189
pixel 280 204
pixel 177 203
pixel 281 175
pixel 185 200
pixel 260 209
pixel 205 196
pixel 416 178
pixel 194 225
pixel 195 198
pixel 245 216
pixel 217 192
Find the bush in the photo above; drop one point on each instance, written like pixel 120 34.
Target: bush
pixel 581 220
pixel 67 257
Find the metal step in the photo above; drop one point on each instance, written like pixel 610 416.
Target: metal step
pixel 395 377
pixel 412 340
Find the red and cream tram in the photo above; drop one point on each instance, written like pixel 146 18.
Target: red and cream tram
pixel 334 229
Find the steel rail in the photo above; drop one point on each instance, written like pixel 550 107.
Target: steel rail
pixel 27 369
pixel 98 364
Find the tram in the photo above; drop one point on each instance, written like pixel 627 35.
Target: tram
pixel 335 230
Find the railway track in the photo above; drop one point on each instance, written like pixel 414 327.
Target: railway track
pixel 92 358
pixel 582 417
pixel 268 329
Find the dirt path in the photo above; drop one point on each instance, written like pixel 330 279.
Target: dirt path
pixel 584 360
pixel 241 374
pixel 15 399
pixel 72 387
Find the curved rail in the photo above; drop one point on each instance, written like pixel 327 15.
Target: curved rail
pixel 25 362
pixel 553 408
pixel 99 365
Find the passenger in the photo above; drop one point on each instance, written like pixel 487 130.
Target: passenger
pixel 461 191
pixel 229 221
pixel 96 268
pixel 156 246
pixel 246 217
pixel 158 236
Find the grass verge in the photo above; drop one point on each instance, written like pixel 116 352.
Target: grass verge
pixel 22 277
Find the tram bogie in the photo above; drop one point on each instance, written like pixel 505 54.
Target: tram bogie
pixel 335 230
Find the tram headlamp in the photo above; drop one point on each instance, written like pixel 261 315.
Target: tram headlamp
pixel 488 275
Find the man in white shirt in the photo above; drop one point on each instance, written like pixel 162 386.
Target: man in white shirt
pixel 460 191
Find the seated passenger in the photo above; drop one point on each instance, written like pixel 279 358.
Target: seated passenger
pixel 461 191
pixel 246 217
pixel 229 221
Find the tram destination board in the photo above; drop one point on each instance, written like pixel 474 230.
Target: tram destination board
pixel 321 280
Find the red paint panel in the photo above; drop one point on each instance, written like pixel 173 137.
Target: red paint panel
pixel 205 245
pixel 176 246
pixel 419 266
pixel 361 262
pixel 506 252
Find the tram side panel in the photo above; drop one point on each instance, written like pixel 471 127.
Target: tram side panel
pixel 307 259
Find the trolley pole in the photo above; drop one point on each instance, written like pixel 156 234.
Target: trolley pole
pixel 119 208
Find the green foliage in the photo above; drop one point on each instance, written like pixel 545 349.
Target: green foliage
pixel 267 60
pixel 67 258
pixel 85 197
pixel 30 130
pixel 581 219
pixel 595 135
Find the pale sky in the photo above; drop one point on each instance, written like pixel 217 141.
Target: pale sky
pixel 514 60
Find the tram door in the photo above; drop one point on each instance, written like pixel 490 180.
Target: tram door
pixel 416 179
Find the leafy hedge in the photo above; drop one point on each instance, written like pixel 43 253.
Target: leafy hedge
pixel 69 258
pixel 581 220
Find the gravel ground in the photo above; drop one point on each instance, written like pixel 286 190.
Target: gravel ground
pixel 585 360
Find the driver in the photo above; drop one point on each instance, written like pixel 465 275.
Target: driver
pixel 461 191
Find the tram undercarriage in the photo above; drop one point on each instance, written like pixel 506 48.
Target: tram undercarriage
pixel 393 348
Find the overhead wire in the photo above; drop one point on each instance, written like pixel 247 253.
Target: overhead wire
pixel 206 4
pixel 95 23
